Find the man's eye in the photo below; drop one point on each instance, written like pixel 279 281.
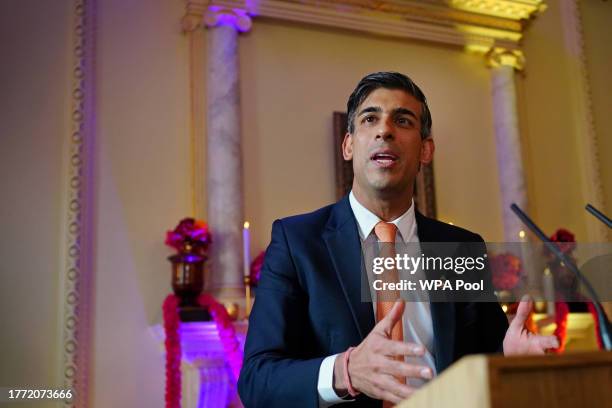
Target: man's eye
pixel 404 121
pixel 369 119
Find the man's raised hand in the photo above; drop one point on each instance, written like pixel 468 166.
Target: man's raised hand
pixel 373 367
pixel 519 340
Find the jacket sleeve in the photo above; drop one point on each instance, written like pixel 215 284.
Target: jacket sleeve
pixel 277 370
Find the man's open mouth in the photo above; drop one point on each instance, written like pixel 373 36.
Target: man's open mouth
pixel 384 159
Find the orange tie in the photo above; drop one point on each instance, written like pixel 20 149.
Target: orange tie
pixel 385 232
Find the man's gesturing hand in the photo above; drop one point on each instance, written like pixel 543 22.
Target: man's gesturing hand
pixel 373 366
pixel 518 340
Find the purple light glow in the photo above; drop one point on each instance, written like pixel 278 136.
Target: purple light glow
pixel 237 18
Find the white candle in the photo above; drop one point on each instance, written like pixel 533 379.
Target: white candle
pixel 246 248
pixel 549 291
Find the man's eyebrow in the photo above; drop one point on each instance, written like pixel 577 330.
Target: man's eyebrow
pixel 376 109
pixel 404 111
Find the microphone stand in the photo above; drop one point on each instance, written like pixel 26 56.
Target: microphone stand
pixel 604 324
pixel 599 215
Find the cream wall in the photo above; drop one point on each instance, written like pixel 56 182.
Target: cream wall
pixel 142 190
pixel 141 186
pixel 596 18
pixel 548 128
pixel 547 117
pixel 293 77
pixel 33 121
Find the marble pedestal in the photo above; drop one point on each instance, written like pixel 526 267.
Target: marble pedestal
pixel 207 380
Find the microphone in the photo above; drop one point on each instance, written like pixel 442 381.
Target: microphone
pixel 604 324
pixel 599 215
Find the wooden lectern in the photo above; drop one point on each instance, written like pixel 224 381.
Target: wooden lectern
pixel 480 381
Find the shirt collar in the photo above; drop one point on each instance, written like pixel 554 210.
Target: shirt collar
pixel 366 220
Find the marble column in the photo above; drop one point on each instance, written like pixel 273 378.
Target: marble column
pixel 224 151
pixel 513 188
pixel 512 184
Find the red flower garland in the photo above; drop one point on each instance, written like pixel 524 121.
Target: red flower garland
pixel 173 352
pixel 231 345
pixel 593 313
pixel 561 313
pixel 566 242
pixel 561 316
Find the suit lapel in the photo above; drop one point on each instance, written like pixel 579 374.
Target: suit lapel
pixel 442 313
pixel 341 238
pixel 344 246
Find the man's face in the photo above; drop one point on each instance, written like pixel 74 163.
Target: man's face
pixel 386 146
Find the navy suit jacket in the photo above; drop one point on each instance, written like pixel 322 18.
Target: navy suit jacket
pixel 309 306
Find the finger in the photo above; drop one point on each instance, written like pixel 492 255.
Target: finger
pixel 394 316
pixel 393 390
pixel 522 313
pixel 389 396
pixel 403 369
pixel 399 348
pixel 547 342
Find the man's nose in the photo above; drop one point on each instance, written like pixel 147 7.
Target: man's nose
pixel 385 130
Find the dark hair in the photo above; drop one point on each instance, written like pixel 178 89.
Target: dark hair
pixel 388 80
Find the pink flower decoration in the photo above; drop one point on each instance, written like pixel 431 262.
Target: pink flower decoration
pixel 507 270
pixel 256 265
pixel 192 232
pixel 566 241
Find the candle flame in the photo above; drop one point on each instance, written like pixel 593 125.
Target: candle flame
pixel 246 224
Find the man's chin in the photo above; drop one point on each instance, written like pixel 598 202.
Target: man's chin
pixel 387 188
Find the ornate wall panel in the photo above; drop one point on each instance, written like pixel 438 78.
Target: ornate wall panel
pixel 77 275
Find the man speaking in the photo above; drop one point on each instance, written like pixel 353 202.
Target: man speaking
pixel 312 341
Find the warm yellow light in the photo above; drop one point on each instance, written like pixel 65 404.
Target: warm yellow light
pixel 477 48
pixel 246 224
pixel 479 31
pixel 505 308
pixel 522 234
pixel 451 223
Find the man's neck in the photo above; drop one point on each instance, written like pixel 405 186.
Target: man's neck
pixel 387 208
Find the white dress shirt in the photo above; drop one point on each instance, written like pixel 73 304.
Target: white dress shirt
pixel 416 320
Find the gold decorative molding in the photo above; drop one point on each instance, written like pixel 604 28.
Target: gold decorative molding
pixel 77 273
pixel 191 22
pixel 477 24
pixel 497 57
pixel 194 14
pixel 507 9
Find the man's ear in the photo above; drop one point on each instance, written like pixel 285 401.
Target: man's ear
pixel 427 150
pixel 347 147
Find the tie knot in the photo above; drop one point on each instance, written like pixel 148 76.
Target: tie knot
pixel 385 231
